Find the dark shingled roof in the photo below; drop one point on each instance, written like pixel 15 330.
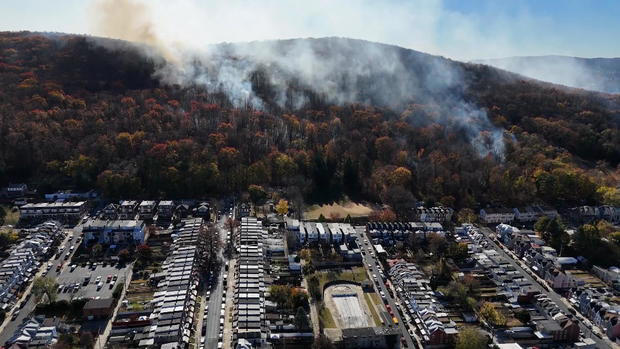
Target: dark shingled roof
pixel 99 303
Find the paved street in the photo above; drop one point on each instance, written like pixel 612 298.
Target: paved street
pixel 600 343
pixel 215 300
pixel 369 258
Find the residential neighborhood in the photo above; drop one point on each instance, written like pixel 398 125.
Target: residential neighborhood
pixel 200 274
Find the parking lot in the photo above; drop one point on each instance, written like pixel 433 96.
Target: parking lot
pixel 99 284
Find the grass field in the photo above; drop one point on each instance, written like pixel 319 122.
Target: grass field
pixel 371 306
pixel 357 274
pixel 326 318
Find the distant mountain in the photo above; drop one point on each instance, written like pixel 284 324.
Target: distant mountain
pixel 597 74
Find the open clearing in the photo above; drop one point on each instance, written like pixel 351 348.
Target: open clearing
pixel 340 210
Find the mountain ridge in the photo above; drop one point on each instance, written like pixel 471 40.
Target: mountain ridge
pixel 387 125
pixel 598 74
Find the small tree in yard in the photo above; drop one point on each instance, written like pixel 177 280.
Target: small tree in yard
pixel 470 338
pixel 144 252
pixel 86 340
pixel 45 286
pixel 492 315
pixel 124 255
pixel 282 207
pixel 301 319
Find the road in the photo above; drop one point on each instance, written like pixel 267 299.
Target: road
pixel 9 327
pixel 215 300
pixel 556 298
pixel 369 257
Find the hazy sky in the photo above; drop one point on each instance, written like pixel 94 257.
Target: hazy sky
pixel 454 28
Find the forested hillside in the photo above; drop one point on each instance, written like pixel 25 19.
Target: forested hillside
pixel 77 112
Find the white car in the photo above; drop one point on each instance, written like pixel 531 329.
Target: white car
pixel 99 285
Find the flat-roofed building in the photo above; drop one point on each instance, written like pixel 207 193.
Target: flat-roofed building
pixel 113 232
pixel 65 212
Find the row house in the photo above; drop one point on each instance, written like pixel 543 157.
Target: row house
pixel 561 329
pixel 598 306
pixel 165 210
pixel 110 212
pixel 249 313
pixel 128 209
pixel 433 214
pixel 25 258
pixel 175 300
pixel 203 210
pixel 587 214
pixel 525 214
pixel 324 233
pixel 497 215
pixel 33 333
pixel 146 209
pixel 418 299
pixel 390 231
pixel 611 276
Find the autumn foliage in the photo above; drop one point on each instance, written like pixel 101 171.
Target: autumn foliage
pixel 75 114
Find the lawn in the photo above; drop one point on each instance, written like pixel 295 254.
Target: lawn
pixel 357 274
pixel 371 306
pixel 326 319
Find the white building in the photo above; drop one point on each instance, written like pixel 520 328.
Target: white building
pixel 146 210
pixel 526 214
pixel 114 232
pixel 324 237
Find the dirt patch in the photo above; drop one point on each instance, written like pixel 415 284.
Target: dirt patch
pixel 338 210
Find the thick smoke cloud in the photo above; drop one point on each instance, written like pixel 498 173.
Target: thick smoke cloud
pixel 291 72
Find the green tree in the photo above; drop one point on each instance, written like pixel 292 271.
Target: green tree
pixel 491 315
pixel 471 338
pixel 466 215
pixel 144 252
pixel 97 250
pixel 45 286
pixel 124 255
pixel 552 231
pixel 86 340
pixel 301 319
pixel 282 207
pixel 2 215
pixel 523 316
pixel 257 194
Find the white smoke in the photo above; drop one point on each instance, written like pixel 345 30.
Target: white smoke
pixel 597 74
pixel 339 71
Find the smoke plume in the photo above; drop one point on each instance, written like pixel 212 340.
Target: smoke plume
pixel 290 74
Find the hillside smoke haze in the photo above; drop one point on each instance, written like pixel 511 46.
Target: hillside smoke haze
pixel 290 74
pixel 596 74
